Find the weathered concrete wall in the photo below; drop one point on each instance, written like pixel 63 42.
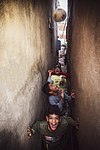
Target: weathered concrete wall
pixel 25 56
pixel 85 71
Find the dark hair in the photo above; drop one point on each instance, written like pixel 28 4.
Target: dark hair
pixel 53 109
pixel 58 65
pixel 46 88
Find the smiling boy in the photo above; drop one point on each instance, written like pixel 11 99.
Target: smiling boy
pixel 54 130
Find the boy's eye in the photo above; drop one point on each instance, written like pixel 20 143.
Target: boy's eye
pixel 57 118
pixel 50 118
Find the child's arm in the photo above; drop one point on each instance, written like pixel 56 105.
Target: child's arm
pixel 33 129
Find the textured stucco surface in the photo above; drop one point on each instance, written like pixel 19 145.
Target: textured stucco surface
pixel 85 71
pixel 25 55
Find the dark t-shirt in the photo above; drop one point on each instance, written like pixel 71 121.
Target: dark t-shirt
pixel 56 139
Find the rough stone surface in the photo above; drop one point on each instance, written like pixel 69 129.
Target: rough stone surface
pixel 85 71
pixel 25 56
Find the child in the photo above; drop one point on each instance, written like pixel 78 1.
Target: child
pixel 59 97
pixel 54 130
pixel 59 78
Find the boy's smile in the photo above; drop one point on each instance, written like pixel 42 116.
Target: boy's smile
pixel 53 121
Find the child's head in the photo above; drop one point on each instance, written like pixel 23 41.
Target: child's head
pixel 53 117
pixel 46 88
pixel 49 88
pixel 53 109
pixel 57 68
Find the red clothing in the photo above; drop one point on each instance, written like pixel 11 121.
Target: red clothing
pixel 61 73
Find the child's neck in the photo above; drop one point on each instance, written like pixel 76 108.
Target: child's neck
pixel 55 93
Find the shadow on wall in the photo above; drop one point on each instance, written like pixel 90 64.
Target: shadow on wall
pixel 10 141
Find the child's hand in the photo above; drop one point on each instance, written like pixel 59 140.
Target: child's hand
pixel 73 93
pixel 63 76
pixel 61 93
pixel 50 72
pixel 29 132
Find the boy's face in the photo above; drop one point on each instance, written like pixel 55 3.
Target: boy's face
pixel 53 121
pixel 53 87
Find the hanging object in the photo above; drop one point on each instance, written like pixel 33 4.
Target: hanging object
pixel 59 15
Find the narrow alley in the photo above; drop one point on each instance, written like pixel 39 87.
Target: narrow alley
pixel 38 37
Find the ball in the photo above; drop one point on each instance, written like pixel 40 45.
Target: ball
pixel 59 15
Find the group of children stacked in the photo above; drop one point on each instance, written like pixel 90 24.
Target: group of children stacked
pixel 57 89
pixel 56 129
